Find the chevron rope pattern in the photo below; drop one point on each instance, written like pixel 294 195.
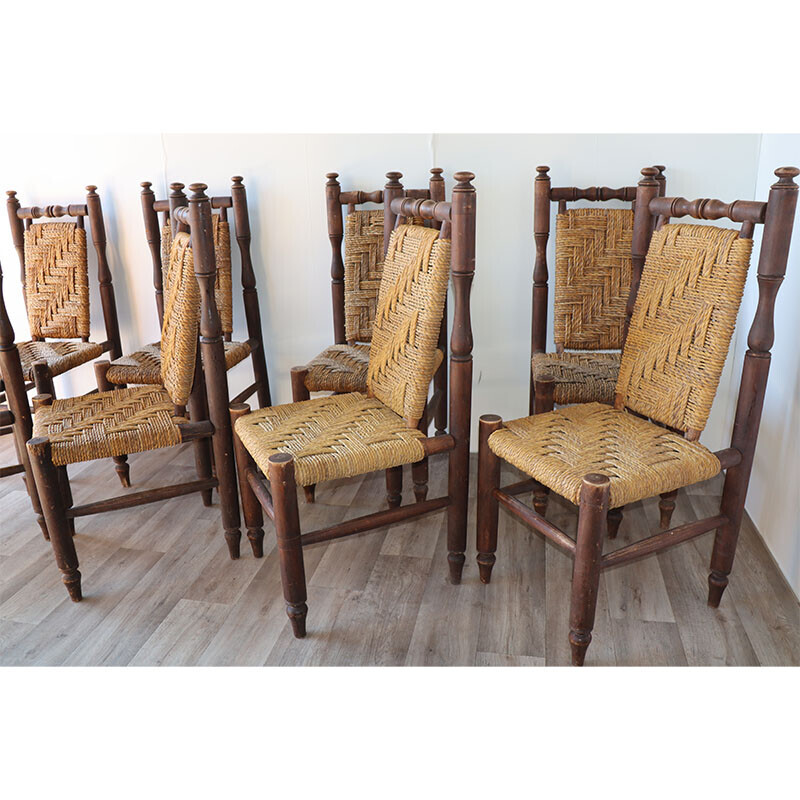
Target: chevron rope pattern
pixel 57 280
pixel 339 368
pixel 108 424
pixel 223 285
pixel 363 268
pixel 402 356
pixel 579 377
pixel 593 277
pixel 682 323
pixel 60 356
pixel 338 436
pixel 641 459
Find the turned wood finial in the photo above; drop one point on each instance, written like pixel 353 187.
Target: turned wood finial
pixel 198 191
pixel 332 176
pixel 393 179
pixel 786 176
pixel 11 194
pixel 463 181
pixel 237 179
pixel 542 176
pixel 146 185
pixel 177 189
pixel 91 189
pixel 649 175
pixel 436 174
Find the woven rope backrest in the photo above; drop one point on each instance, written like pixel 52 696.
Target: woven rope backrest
pixel 682 323
pixel 593 277
pixel 363 267
pixel 402 356
pixel 181 322
pixel 223 286
pixel 57 280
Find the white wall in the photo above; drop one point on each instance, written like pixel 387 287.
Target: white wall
pixel 284 176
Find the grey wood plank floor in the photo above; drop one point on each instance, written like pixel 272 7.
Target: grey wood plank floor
pixel 160 589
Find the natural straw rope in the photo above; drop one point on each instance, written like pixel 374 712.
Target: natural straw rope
pixel 363 268
pixel 339 368
pixel 60 356
pixel 579 377
pixel 57 280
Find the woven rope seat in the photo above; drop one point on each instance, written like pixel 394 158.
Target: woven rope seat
pixel 640 458
pixel 144 366
pixel 60 356
pixel 579 377
pixel 338 436
pixel 108 424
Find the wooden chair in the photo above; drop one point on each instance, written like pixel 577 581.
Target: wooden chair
pixel 141 418
pixel 55 279
pixel 343 435
pixel 681 324
pixel 592 283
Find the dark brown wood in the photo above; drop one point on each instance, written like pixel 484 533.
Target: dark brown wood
pixel 43 378
pixel 438 444
pixel 419 469
pixel 613 521
pixel 592 514
pixel 595 193
pixel 543 402
pixel 251 508
pixel 488 481
pixel 535 521
pixel 705 208
pixel 376 520
pixel 393 190
pixel 153 234
pixel 462 270
pixel 666 505
pixel 394 486
pixel 437 194
pixel 541 233
pixel 17 234
pixel 287 531
pixel 261 493
pixel 521 487
pixel 298 378
pixel 198 411
pixel 121 465
pixel 336 235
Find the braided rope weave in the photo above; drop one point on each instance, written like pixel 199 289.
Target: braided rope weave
pixel 144 365
pixel 641 459
pixel 181 322
pixel 682 323
pixel 339 368
pixel 593 277
pixel 223 284
pixel 402 356
pixel 57 280
pixel 579 377
pixel 338 436
pixel 108 424
pixel 60 356
pixel 363 268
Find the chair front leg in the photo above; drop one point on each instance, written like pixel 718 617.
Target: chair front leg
pixel 287 531
pixel 251 508
pixel 592 514
pixel 419 470
pixel 666 505
pixel 488 480
pixel 543 402
pixel 299 393
pixel 121 465
pixel 394 486
pixel 51 496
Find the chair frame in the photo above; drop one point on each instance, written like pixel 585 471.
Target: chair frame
pixel 279 499
pixel 51 486
pixel 237 201
pixel 653 211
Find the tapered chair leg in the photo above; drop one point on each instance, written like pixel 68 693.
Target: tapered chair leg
pixel 732 506
pixel 121 465
pixel 419 470
pixel 488 480
pixel 198 411
pixel 440 379
pixel 614 520
pixel 30 481
pixel 251 508
pixel 48 485
pixel 287 531
pixel 666 505
pixel 300 393
pixel 543 402
pixel 592 515
pixel 394 486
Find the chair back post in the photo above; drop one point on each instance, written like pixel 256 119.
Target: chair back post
pixel 241 219
pixel 462 270
pixel 17 234
pixel 391 190
pixel 107 299
pixel 336 235
pixel 436 190
pixel 643 223
pixel 662 180
pixel 177 199
pixel 541 234
pixel 153 234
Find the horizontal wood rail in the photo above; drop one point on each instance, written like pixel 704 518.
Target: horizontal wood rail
pixel 246 393
pixel 196 430
pixel 370 521
pixel 261 492
pixel 427 209
pixel 35 212
pixel 729 457
pixel 594 193
pixel 6 417
pixel 433 404
pixel 519 488
pixel 438 444
pixel 226 201
pixel 357 197
pixel 708 208
pixel 141 498
pixel 535 521
pixel 661 541
pixel 6 472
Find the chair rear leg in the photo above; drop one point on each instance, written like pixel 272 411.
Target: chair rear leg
pixel 440 379
pixel 394 486
pixel 666 505
pixel 251 508
pixel 543 402
pixel 51 495
pixel 488 480
pixel 592 514
pixel 732 506
pixel 287 531
pixel 419 469
pixel 259 359
pixel 121 465
pixel 300 393
pixel 614 520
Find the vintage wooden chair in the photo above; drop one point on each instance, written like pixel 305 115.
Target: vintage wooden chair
pixel 55 279
pixel 349 434
pixel 592 284
pixel 131 420
pixel 598 456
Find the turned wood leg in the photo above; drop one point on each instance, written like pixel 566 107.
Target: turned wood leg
pixel 259 359
pixel 614 519
pixel 51 496
pixel 666 505
pixel 300 393
pixel 394 486
pixel 543 402
pixel 30 481
pixel 488 480
pixel 592 514
pixel 287 531
pixel 43 379
pixel 440 379
pixel 198 411
pixel 251 508
pixel 419 470
pixel 121 465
